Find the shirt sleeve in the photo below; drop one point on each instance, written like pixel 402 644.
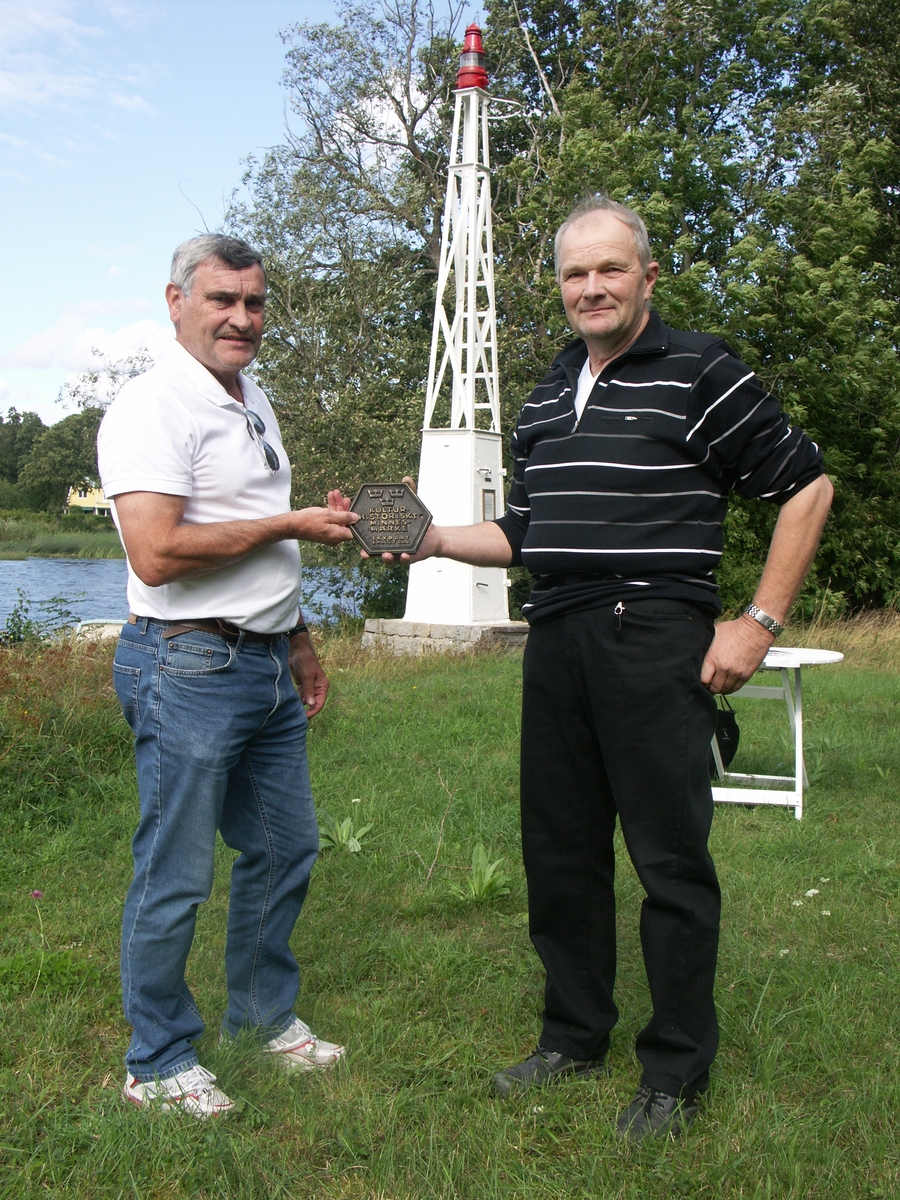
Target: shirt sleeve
pixel 146 442
pixel 514 521
pixel 741 434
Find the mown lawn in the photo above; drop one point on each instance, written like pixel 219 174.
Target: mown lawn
pixel 432 992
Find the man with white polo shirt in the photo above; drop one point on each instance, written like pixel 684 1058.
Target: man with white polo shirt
pixel 208 670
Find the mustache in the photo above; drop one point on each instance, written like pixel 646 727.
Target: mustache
pixel 231 334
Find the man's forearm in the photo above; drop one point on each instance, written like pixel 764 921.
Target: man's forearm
pixel 162 548
pixel 793 548
pixel 191 550
pixel 740 645
pixel 482 545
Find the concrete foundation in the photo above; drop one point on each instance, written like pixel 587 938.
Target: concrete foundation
pixel 423 637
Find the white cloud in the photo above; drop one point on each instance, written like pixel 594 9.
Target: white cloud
pixel 22 23
pixel 69 344
pixel 4 391
pixel 132 104
pixel 98 250
pixel 56 54
pixel 36 84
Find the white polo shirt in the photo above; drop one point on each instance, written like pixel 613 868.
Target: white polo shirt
pixel 176 430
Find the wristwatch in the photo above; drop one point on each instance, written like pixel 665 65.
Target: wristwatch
pixel 773 626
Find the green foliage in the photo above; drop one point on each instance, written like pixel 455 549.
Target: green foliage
pixel 384 589
pixel 355 589
pixel 74 535
pixel 60 974
pixel 487 880
pixel 760 141
pixel 56 617
pixel 341 835
pixel 38 464
pixel 18 433
pixel 344 215
pixel 63 456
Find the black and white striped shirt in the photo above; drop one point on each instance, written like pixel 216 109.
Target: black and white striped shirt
pixel 631 498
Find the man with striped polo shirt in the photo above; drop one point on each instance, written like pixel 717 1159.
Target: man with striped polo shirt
pixel 623 458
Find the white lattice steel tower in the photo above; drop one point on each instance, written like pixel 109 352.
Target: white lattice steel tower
pixel 460 470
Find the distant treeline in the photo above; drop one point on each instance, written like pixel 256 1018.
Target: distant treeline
pixel 39 463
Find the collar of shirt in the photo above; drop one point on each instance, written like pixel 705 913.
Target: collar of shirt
pixel 653 339
pixel 179 359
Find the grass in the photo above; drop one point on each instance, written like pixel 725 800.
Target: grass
pixel 22 536
pixel 431 991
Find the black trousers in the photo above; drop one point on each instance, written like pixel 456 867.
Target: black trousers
pixel 616 722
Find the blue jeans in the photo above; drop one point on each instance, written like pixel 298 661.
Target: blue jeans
pixel 220 744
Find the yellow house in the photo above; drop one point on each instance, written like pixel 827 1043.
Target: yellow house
pixel 86 499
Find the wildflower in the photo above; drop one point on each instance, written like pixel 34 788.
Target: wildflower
pixel 824 879
pixel 358 800
pixel 782 953
pixel 812 892
pixel 797 903
pixel 826 912
pixel 37 894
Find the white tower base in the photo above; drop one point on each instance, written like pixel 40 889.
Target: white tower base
pixel 461 483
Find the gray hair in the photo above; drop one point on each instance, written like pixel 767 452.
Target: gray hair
pixel 234 252
pixel 600 202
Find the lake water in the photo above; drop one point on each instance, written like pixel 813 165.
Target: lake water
pixel 94 588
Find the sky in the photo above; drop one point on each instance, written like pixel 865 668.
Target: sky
pixel 124 128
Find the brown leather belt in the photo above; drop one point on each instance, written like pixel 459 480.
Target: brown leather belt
pixel 223 629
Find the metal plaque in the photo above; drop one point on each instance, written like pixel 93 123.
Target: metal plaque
pixel 392 519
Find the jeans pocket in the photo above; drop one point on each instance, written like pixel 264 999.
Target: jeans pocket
pixel 191 654
pixel 127 681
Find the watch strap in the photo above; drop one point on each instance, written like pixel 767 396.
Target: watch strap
pixel 774 627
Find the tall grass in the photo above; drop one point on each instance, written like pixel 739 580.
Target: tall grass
pixel 433 992
pixel 74 537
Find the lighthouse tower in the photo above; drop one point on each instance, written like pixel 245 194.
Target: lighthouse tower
pixel 461 466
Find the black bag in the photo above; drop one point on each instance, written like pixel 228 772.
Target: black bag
pixel 727 736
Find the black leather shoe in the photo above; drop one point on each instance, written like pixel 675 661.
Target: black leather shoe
pixel 542 1068
pixel 654 1114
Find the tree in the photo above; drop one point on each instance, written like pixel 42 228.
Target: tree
pixel 759 140
pixel 64 455
pixel 344 214
pixel 17 436
pixel 98 387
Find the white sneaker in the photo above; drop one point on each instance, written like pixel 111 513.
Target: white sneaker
pixel 299 1047
pixel 190 1091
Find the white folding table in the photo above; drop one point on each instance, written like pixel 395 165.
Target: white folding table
pixel 760 790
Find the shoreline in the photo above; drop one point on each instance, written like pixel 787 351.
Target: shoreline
pixel 16 555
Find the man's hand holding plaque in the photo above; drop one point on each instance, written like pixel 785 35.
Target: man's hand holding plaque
pixel 392 519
